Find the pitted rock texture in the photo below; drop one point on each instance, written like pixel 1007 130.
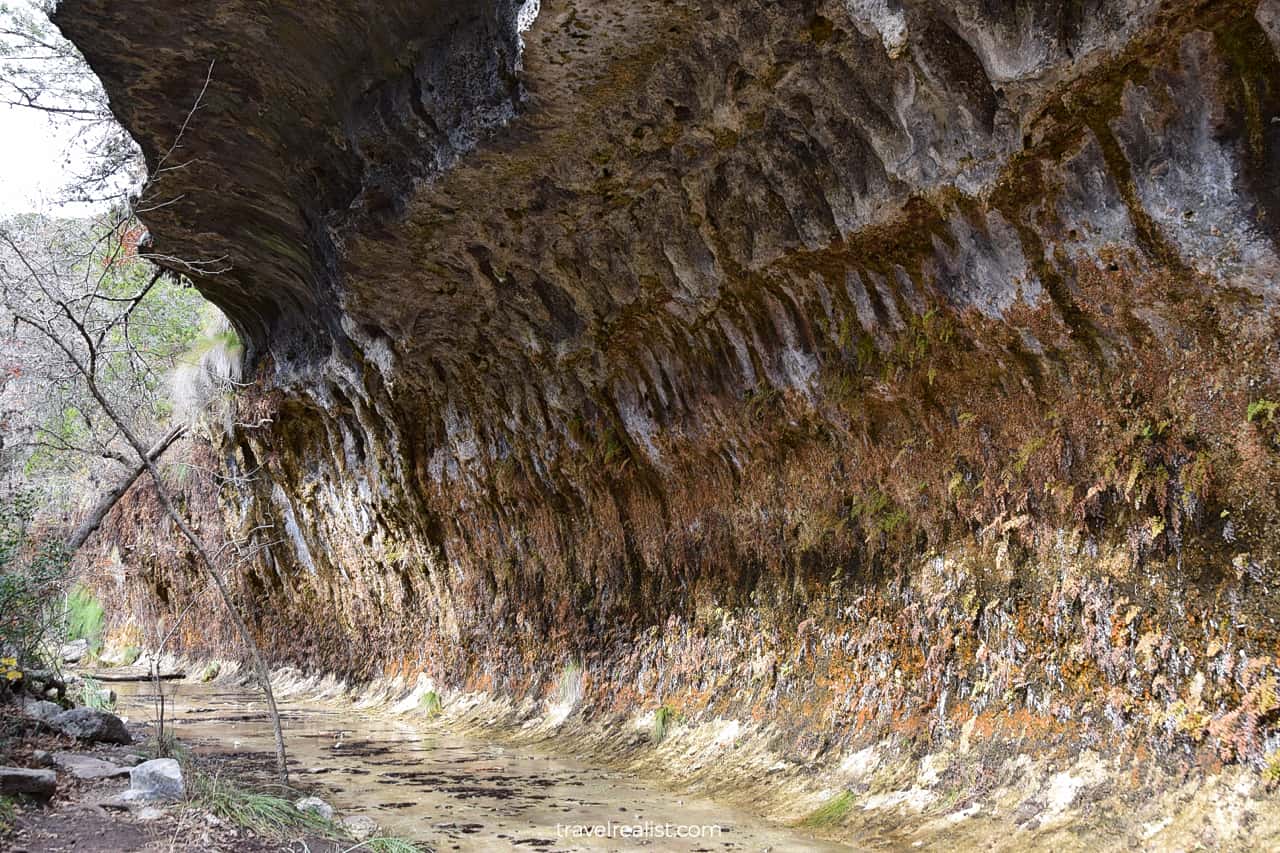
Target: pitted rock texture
pixel 868 365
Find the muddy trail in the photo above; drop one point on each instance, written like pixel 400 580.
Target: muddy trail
pixel 450 792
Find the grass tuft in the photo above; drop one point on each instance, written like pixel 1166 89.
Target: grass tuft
pixel 264 814
pixel 277 818
pixel 387 844
pixel 569 685
pixel 430 704
pixel 831 813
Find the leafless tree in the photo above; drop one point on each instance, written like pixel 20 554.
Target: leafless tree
pixel 79 334
pixel 77 296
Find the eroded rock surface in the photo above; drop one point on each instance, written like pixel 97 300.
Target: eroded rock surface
pixel 876 368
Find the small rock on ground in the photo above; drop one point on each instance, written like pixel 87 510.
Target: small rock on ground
pixel 360 827
pixel 74 651
pixel 315 806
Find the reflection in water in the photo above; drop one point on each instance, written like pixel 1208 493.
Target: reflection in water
pixel 455 793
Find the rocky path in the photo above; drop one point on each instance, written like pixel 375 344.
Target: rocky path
pixel 86 786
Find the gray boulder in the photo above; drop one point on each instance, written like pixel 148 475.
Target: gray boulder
pixel 155 781
pixel 33 783
pixel 91 725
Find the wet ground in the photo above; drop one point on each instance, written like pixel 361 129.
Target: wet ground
pixel 456 793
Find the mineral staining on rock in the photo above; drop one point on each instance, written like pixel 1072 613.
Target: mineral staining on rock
pixel 878 368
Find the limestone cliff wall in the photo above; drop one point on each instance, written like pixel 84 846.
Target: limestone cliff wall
pixel 864 366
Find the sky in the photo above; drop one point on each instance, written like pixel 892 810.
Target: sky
pixel 33 153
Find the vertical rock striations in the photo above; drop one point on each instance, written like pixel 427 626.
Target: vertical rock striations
pixel 866 365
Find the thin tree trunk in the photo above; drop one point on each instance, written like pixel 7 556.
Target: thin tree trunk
pixel 95 518
pixel 259 665
pixel 88 371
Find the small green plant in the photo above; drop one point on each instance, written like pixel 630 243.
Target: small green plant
pixel 129 655
pixel 430 704
pixel 663 719
pixel 831 813
pixel 8 815
pixel 210 672
pixel 1029 449
pixel 1262 411
pixel 92 694
pixel 1271 768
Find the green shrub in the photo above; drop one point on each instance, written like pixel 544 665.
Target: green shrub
pixel 129 655
pixel 210 672
pixel 1271 768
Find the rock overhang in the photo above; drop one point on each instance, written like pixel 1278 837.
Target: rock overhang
pixel 743 308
